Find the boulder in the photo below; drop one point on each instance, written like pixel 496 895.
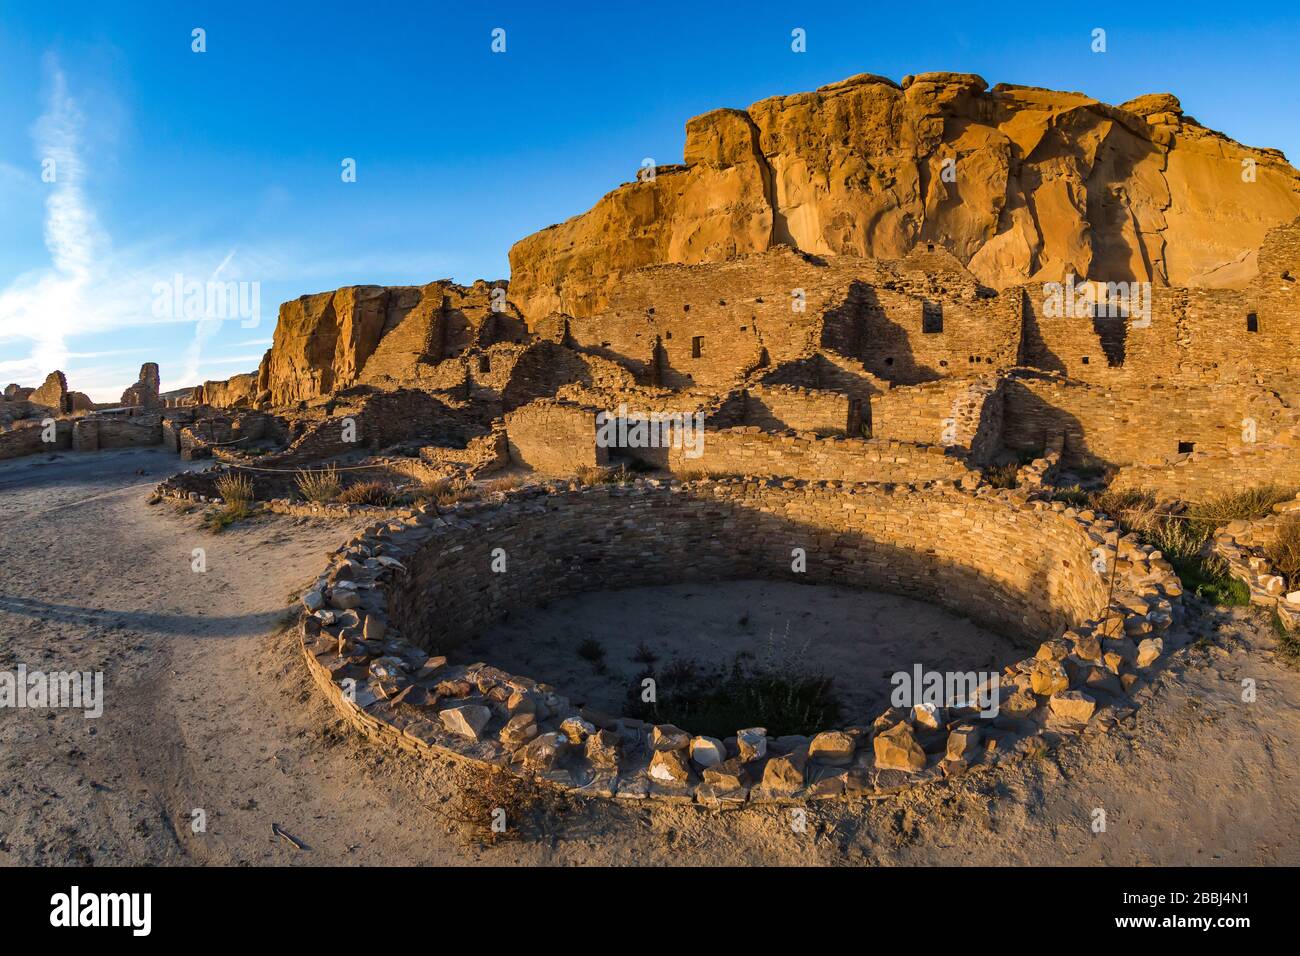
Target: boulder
pixel 518 730
pixel 707 751
pixel 897 749
pixel 785 773
pixel 1149 650
pixel 1073 705
pixel 752 743
pixel 467 720
pixel 669 767
pixel 833 748
pixel 668 737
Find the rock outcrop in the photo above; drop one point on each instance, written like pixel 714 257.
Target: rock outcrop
pixel 1020 183
pixel 381 335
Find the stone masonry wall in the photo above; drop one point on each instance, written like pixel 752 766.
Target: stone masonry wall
pixel 426 581
pixel 749 450
pixel 1122 426
pixel 554 438
pixel 781 407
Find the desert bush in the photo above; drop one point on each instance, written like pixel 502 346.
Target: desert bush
pixel 220 518
pixel 491 804
pixel 504 484
pixel 596 475
pixel 1002 476
pixel 235 489
pixel 318 486
pixel 368 493
pixel 775 690
pixel 447 491
pixel 1246 505
pixel 1284 552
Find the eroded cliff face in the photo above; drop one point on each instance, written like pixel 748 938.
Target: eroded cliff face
pixel 384 335
pixel 1021 184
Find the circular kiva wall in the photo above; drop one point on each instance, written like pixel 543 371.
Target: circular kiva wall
pixel 1026 573
pixel 402 595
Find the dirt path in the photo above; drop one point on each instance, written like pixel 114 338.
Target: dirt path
pixel 208 708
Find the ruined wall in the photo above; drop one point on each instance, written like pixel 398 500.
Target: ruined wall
pixel 751 451
pixel 1201 476
pixel 957 412
pixel 53 394
pixel 782 407
pixel 962 552
pixel 97 432
pixel 24 438
pixel 1124 425
pixel 554 438
pixel 328 341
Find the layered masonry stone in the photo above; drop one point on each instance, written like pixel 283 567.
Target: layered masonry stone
pixel 380 622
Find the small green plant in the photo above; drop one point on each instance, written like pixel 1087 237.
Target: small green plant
pixel 773 690
pixel 644 655
pixel 1288 641
pixel 1074 495
pixel 318 486
pixel 591 650
pixel 218 519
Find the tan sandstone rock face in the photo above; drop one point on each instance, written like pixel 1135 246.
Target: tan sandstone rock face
pixel 382 335
pixel 1021 184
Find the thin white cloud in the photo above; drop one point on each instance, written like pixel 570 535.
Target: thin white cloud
pixel 93 285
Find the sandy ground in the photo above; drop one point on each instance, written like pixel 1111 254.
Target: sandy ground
pixel 209 708
pixel 856 638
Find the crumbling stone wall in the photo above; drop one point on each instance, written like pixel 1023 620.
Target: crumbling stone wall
pixel 24 438
pixel 554 438
pixel 1121 426
pixel 788 407
pixel 53 394
pixel 96 432
pixel 1200 477
pixel 963 552
pixel 752 451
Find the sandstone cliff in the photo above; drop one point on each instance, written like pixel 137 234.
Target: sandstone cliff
pixel 1021 184
pixel 380 335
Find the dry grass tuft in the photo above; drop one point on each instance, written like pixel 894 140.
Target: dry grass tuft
pixel 319 486
pixel 1284 552
pixel 368 493
pixel 235 489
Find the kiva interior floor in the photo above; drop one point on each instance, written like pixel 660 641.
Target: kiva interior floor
pixel 588 645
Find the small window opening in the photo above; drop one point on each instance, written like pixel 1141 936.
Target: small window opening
pixel 1186 447
pixel 1252 322
pixel 931 318
pixel 697 346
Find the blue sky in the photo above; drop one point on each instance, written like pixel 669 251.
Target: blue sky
pixel 227 163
